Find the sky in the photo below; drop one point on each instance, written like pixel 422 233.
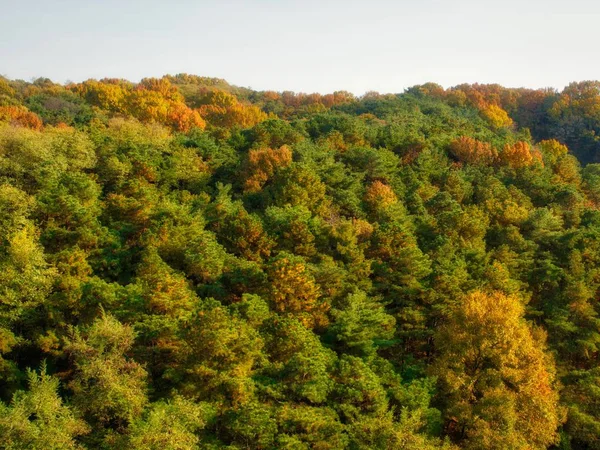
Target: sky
pixel 305 46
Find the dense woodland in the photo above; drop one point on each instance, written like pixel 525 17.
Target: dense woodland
pixel 189 264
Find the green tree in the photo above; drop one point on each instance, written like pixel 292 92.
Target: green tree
pixel 38 419
pixel 359 323
pixel 108 387
pixel 169 425
pixel 221 354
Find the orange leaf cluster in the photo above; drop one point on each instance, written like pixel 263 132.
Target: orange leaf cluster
pixel 20 116
pixel 380 195
pixel 300 99
pixel 472 151
pixel 520 154
pixel 262 164
pixel 490 99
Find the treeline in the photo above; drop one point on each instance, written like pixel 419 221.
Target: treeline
pixel 189 264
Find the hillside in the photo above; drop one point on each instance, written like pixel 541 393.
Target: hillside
pixel 187 264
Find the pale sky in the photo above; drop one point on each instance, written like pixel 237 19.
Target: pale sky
pixel 305 46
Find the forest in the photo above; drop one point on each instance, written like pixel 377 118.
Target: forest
pixel 189 264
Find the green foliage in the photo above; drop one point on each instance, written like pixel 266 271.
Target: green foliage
pixel 172 425
pixel 38 419
pixel 221 354
pixel 299 365
pixel 107 387
pixel 360 323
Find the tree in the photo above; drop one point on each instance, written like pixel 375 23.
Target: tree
pixel 582 397
pixel 225 110
pixel 472 151
pixel 169 425
pixel 591 179
pixel 297 185
pixel 565 166
pixel 496 378
pixel 159 301
pixel 25 276
pixel 240 232
pixel 38 419
pixel 359 321
pixel 574 118
pixel 299 366
pixel 306 426
pixel 262 165
pixel 518 155
pixel 293 291
pixel 380 196
pixel 20 116
pixel 497 117
pixel 108 387
pixel 187 246
pixel 294 229
pixel 221 355
pixel 152 100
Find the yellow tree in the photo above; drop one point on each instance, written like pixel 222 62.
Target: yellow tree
pixel 152 100
pixel 293 291
pixel 107 94
pixel 496 379
pixel 380 195
pixel 552 151
pixel 225 110
pixel 497 117
pixel 566 168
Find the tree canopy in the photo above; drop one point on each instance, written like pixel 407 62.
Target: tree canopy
pixel 188 264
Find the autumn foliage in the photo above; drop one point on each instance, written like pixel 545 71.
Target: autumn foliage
pixel 520 154
pixel 20 116
pixel 152 100
pixel 499 379
pixel 189 264
pixel 380 195
pixel 262 165
pixel 472 151
pixel 293 291
pixel 224 110
pixel 496 116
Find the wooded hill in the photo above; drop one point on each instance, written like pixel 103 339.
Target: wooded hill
pixel 189 264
